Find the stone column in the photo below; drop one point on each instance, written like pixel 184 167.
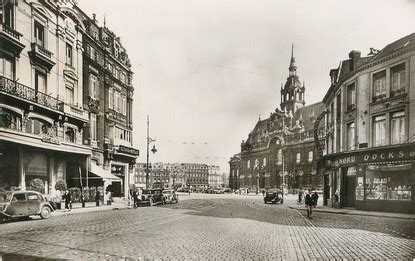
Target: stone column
pixel 52 175
pixel 22 180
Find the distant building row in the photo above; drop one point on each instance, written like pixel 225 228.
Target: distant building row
pixel 177 175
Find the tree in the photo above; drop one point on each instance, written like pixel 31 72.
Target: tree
pixel 61 185
pixel 37 185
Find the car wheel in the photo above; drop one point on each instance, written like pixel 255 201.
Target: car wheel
pixel 45 212
pixel 282 201
pixel 151 202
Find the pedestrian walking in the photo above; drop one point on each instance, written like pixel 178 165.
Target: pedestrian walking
pixel 135 199
pixel 68 199
pixel 336 200
pixel 309 204
pixel 314 197
pixel 263 193
pixel 300 196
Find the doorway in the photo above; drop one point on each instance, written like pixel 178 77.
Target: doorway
pixel 350 190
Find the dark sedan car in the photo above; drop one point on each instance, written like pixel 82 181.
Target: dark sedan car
pixel 151 197
pixel 274 196
pixel 18 204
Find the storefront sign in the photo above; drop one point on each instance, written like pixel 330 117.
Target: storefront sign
pixel 344 161
pixel 127 150
pixel 389 155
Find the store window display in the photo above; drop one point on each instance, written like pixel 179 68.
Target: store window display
pixel 386 184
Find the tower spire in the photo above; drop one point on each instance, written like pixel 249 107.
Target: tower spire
pixel 293 67
pixel 292 51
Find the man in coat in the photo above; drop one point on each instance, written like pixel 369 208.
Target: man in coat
pixel 68 199
pixel 309 204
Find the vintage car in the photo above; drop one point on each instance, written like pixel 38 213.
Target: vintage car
pixel 151 197
pixel 170 196
pixel 274 196
pixel 22 204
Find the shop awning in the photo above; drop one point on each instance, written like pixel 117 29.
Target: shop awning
pixel 104 174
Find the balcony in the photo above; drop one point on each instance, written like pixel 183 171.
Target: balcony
pixel 397 92
pixel 379 97
pixel 41 56
pixel 10 40
pixel 24 92
pixel 351 106
pixel 76 112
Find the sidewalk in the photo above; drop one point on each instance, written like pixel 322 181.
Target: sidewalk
pixel 90 207
pixel 350 211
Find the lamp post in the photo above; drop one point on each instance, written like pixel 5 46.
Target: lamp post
pixel 257 182
pixel 154 150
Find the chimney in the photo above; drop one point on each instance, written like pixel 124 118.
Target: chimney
pixel 354 57
pixel 333 76
pixel 94 18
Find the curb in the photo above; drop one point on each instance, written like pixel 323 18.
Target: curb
pixel 353 213
pixel 89 209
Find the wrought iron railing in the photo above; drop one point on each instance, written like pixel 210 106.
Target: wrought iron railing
pixel 30 94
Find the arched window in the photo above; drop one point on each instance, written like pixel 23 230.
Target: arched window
pixel 9 119
pixel 70 134
pixel 37 126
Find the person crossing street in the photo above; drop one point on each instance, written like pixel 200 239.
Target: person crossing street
pixel 309 204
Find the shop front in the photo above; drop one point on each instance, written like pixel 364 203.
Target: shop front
pixel 381 179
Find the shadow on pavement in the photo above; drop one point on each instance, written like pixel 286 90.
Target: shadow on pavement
pixel 282 215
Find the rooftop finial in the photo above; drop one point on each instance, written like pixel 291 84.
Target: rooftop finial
pixel 105 21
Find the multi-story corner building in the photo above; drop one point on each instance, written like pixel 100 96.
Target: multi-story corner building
pixel 234 174
pixel 65 99
pixel 42 117
pixel 108 96
pixel 214 177
pixel 370 130
pixel 280 149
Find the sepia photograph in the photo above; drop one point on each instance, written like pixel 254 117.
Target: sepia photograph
pixel 207 130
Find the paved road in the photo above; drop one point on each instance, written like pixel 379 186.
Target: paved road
pixel 211 227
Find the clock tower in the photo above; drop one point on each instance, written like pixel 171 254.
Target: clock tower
pixel 292 93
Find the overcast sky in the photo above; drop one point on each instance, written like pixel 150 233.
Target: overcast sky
pixel 205 70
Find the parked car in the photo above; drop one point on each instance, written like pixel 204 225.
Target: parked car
pixel 186 190
pixel 274 196
pixel 227 190
pixel 151 197
pixel 19 204
pixel 170 196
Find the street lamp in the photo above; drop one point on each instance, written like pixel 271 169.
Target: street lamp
pixel 154 150
pixel 257 183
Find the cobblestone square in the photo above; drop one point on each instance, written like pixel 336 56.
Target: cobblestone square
pixel 211 227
